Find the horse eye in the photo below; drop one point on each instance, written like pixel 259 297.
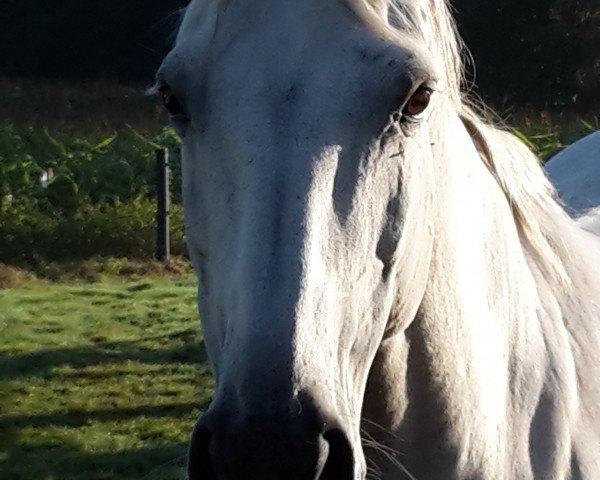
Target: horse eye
pixel 171 103
pixel 418 102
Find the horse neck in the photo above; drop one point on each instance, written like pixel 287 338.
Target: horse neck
pixel 478 310
pixel 460 386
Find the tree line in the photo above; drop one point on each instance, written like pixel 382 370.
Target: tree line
pixel 527 52
pixel 534 53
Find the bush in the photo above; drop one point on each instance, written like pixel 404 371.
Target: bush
pixel 29 235
pixel 65 197
pixel 119 167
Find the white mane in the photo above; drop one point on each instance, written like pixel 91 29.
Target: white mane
pixel 556 249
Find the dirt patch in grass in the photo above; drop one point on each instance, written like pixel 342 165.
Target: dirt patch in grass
pixel 11 277
pixel 93 270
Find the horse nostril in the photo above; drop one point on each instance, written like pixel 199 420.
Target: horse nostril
pixel 340 460
pixel 231 447
pixel 199 462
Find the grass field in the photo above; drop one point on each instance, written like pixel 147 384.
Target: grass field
pixel 99 381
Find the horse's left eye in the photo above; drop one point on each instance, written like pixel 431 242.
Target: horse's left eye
pixel 418 102
pixel 171 103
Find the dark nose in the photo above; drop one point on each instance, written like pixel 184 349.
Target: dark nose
pixel 270 445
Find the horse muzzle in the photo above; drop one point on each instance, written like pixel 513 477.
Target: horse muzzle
pixel 302 443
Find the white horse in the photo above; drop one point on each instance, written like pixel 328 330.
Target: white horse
pixel 388 288
pixel 575 172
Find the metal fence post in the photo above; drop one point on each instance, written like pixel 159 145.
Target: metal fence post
pixel 163 243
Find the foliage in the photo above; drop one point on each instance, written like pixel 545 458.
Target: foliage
pixel 100 381
pixel 30 235
pixel 119 167
pixel 534 54
pixel 543 136
pixel 528 52
pixel 99 201
pixel 85 39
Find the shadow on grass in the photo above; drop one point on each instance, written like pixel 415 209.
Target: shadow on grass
pixel 79 418
pixel 95 293
pixel 41 362
pixel 165 462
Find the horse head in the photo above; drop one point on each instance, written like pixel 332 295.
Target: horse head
pixel 329 167
pixel 296 140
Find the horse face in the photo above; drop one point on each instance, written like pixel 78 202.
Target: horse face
pixel 297 129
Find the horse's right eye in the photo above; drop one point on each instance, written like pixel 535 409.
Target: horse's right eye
pixel 171 103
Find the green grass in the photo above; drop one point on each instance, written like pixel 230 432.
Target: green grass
pixel 100 381
pixel 545 135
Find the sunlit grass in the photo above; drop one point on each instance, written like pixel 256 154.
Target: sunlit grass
pixel 99 381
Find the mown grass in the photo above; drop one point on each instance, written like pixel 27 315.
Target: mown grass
pixel 100 381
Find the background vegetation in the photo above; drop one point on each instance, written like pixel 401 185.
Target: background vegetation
pixel 534 54
pixel 542 54
pixel 71 100
pixel 85 39
pixel 98 201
